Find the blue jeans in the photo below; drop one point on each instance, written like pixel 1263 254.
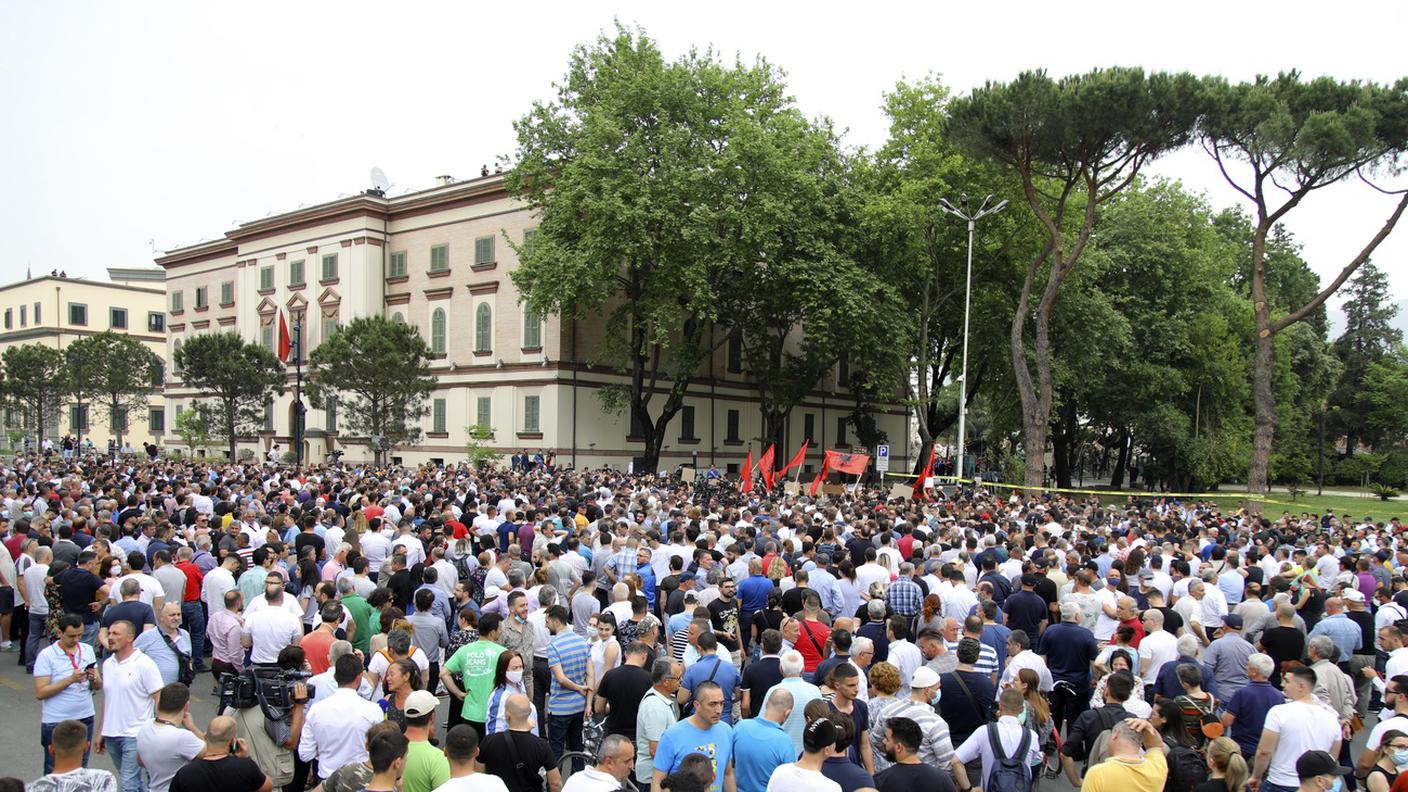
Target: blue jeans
pixel 38 632
pixel 90 635
pixel 123 751
pixel 565 734
pixel 46 733
pixel 193 619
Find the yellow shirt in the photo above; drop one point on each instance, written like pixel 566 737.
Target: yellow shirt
pixel 1125 775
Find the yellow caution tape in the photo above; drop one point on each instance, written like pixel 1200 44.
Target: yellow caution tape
pixel 1127 493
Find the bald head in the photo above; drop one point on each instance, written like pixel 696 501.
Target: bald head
pixel 221 731
pixel 519 708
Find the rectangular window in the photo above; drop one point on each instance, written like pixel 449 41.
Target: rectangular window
pixel 438 419
pixel 329 327
pixel 266 278
pixel 158 374
pixel 532 330
pixel 482 411
pixel 530 414
pixel 841 430
pixel 735 353
pixel 439 258
pixel 330 267
pixel 483 251
pixel 687 423
pixel 202 298
pixel 24 319
pixel 37 320
pixel 117 422
pixel 397 266
pixel 9 318
pixel 178 299
pixel 156 322
pixel 117 318
pixel 78 314
pixel 78 417
pixel 295 272
pixel 156 420
pixel 731 430
pixel 809 428
pixel 530 241
pixel 330 414
pixel 266 337
pixel 227 292
pixel 268 415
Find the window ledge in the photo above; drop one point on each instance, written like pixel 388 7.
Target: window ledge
pixel 393 279
pixel 180 311
pixel 328 282
pixel 530 435
pixel 202 308
pixel 688 440
pixel 483 352
pixel 227 305
pixel 532 350
pixel 294 287
pixel 437 435
pixel 444 273
pixel 733 442
pixel 265 291
pixel 436 356
pixel 484 267
pixel 635 438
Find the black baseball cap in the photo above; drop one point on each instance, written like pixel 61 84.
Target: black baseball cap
pixel 1316 763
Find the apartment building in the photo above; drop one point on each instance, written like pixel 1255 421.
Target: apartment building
pixel 439 259
pixel 56 310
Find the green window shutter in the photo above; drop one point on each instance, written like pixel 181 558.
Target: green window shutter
pixel 266 278
pixel 530 414
pixel 437 331
pixel 439 258
pixel 532 330
pixel 530 241
pixel 439 420
pixel 176 300
pixel 483 251
pixel 295 272
pixel 398 264
pixel 483 329
pixel 330 267
pixel 482 415
pixel 330 411
pixel 227 292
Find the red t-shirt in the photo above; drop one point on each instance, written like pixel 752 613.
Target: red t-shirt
pixel 811 642
pixel 316 646
pixel 193 579
pixel 1138 631
pixel 457 529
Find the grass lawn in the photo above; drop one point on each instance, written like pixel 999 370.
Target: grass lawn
pixel 1354 506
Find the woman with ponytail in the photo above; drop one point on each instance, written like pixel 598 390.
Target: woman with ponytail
pixel 1227 768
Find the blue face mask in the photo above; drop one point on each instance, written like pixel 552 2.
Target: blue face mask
pixel 1339 785
pixel 1400 758
pixel 938 694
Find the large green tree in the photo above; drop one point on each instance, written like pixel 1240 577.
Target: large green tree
pixel 116 372
pixel 35 381
pixel 235 380
pixel 656 184
pixel 1369 337
pixel 1072 145
pixel 379 372
pixel 1278 140
pixel 920 250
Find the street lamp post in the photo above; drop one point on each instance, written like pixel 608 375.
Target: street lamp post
pixel 972 219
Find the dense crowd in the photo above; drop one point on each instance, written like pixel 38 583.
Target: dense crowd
pixel 595 631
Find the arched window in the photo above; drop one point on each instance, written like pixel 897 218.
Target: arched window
pixel 532 330
pixel 398 318
pixel 483 329
pixel 437 331
pixel 176 357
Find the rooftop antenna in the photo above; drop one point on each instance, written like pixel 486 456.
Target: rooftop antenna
pixel 380 184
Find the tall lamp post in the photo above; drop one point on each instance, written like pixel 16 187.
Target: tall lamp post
pixel 972 218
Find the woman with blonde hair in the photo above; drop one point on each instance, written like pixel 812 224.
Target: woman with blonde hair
pixel 1036 714
pixel 1383 776
pixel 884 684
pixel 1227 768
pixel 353 535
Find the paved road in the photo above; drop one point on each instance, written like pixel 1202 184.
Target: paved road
pixel 21 756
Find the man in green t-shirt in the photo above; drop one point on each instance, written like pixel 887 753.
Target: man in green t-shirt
pixel 361 615
pixel 476 661
pixel 426 766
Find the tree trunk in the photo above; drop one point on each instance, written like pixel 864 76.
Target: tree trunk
pixel 1060 456
pixel 1264 398
pixel 230 428
pixel 1121 461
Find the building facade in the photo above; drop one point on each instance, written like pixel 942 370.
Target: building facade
pixel 56 310
pixel 439 259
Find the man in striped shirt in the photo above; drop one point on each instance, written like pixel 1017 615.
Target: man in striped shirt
pixel 568 655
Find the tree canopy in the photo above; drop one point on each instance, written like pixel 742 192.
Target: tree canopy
pixel 235 380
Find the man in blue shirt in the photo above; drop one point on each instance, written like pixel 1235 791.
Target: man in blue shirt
pixel 568 655
pixel 1347 635
pixel 700 733
pixel 1070 650
pixel 761 746
pixel 710 668
pixel 1246 711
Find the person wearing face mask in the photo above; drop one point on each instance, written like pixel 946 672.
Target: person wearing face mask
pixel 1301 726
pixel 1391 759
pixel 936 746
pixel 1317 771
pixel 508 681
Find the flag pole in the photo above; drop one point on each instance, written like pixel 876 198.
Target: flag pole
pixel 298 392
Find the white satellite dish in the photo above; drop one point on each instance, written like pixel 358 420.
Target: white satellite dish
pixel 379 180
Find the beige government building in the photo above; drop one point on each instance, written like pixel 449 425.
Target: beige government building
pixel 56 310
pixel 438 259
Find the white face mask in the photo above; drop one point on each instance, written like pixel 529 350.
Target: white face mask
pixel 514 676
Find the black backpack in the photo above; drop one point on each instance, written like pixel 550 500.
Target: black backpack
pixel 1186 769
pixel 1009 773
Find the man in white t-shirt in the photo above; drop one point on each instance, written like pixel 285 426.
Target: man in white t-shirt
pixel 152 592
pixel 804 775
pixel 169 740
pixel 268 630
pixel 461 748
pixel 1301 724
pixel 1158 645
pixel 130 682
pixel 616 759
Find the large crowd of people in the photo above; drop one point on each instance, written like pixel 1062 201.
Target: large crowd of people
pixel 536 628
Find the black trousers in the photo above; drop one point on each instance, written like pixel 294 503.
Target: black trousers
pixel 542 680
pixel 1066 706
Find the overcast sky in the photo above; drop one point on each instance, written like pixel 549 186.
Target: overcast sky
pixel 134 125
